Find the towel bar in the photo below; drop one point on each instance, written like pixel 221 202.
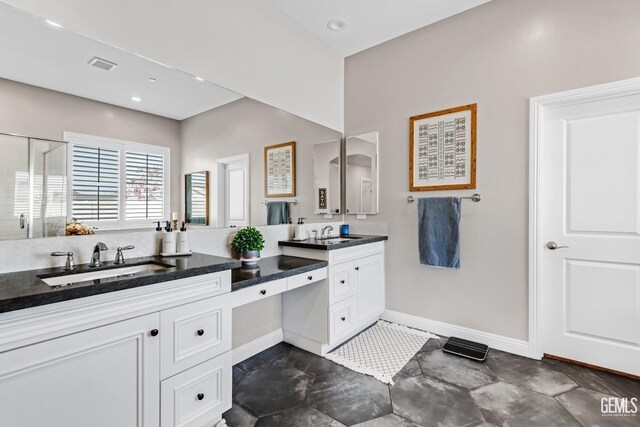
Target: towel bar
pixel 474 197
pixel 294 202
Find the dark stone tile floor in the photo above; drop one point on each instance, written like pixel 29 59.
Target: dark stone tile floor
pixel 285 386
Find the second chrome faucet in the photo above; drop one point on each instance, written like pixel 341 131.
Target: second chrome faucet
pixel 95 257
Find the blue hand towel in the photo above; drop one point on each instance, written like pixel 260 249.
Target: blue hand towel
pixel 278 213
pixel 439 231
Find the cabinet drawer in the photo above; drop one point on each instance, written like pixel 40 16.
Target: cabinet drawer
pixel 193 333
pixel 306 278
pixel 341 282
pixel 258 292
pixel 342 317
pixel 352 253
pixel 198 396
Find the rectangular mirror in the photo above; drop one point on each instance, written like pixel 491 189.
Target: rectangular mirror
pixel 125 130
pixel 362 174
pixel 196 190
pixel 326 176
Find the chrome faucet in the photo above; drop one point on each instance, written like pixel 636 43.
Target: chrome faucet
pixel 324 231
pixel 95 257
pixel 119 256
pixel 70 264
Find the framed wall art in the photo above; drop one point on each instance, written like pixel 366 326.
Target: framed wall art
pixel 442 152
pixel 280 170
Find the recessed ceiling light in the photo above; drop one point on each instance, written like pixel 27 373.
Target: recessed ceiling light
pixel 136 99
pixel 153 79
pixel 200 79
pixel 337 24
pixel 53 24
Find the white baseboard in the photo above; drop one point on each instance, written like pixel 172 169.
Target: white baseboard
pixel 499 342
pixel 254 347
pixel 305 343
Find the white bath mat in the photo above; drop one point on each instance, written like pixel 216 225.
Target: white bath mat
pixel 381 351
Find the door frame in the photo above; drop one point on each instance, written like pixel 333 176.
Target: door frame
pixel 536 244
pixel 221 217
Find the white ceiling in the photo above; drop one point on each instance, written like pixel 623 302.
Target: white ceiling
pixel 369 22
pixel 36 53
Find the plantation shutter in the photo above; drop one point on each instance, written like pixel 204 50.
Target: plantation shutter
pixel 144 185
pixel 95 183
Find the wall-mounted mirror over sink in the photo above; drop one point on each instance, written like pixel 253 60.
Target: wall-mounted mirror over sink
pixel 130 131
pixel 196 190
pixel 327 165
pixel 361 158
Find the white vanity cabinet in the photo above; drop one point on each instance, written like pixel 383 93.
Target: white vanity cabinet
pixel 157 355
pixel 318 318
pixel 104 377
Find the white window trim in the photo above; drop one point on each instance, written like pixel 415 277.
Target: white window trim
pixel 122 146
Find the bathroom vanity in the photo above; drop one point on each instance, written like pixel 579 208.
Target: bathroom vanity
pixel 319 318
pixel 154 347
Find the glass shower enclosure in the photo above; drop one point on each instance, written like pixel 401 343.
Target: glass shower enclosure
pixel 33 187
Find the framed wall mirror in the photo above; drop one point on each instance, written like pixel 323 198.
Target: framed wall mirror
pixel 326 177
pixel 197 198
pixel 362 174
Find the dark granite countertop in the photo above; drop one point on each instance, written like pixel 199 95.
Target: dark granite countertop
pixel 333 243
pixel 273 268
pixel 25 289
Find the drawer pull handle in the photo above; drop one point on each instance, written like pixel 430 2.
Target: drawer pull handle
pixel 263 292
pixel 200 396
pixel 310 277
pixel 342 282
pixel 154 332
pixel 343 318
pixel 357 268
pixel 200 332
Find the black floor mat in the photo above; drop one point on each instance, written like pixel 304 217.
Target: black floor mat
pixel 465 348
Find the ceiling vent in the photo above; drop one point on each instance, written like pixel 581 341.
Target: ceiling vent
pixel 103 64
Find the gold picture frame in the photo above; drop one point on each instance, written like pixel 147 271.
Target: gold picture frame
pixel 280 170
pixel 442 149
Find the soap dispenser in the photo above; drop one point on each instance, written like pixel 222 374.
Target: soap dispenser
pixel 182 246
pixel 299 233
pixel 168 240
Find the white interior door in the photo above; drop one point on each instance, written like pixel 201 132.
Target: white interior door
pixel 589 238
pixel 233 191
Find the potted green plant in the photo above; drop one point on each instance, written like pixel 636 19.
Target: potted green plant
pixel 248 242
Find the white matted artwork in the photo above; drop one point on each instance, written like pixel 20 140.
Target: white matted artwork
pixel 443 149
pixel 280 170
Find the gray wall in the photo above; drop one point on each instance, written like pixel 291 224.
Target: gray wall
pixel 34 111
pixel 498 55
pixel 247 126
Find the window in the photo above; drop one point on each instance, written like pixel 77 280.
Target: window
pixel 145 185
pixel 95 183
pixel 117 184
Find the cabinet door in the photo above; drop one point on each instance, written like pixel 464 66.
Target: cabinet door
pixel 103 377
pixel 369 274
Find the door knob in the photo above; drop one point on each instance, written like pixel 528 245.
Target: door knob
pixel 553 246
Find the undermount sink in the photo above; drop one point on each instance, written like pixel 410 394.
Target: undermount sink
pixel 338 240
pixel 124 271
